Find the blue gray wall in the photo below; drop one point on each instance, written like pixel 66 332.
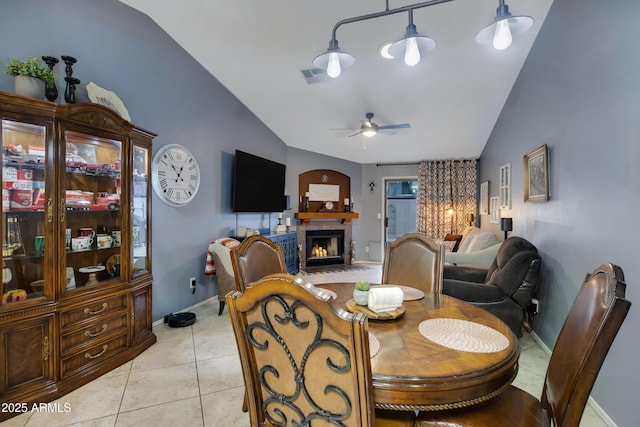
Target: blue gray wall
pixel 578 92
pixel 165 90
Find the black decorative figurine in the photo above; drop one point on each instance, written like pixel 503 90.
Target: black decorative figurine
pixel 51 92
pixel 70 92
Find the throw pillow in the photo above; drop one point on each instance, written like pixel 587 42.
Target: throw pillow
pixel 467 236
pixel 455 239
pixel 228 242
pixel 482 240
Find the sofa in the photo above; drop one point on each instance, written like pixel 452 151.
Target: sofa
pixel 476 248
pixel 506 288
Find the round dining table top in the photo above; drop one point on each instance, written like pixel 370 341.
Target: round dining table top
pixel 442 353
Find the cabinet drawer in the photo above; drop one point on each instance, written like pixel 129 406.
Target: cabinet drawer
pixel 91 310
pixel 98 330
pixel 92 355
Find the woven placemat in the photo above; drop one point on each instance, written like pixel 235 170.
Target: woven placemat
pixel 410 294
pixel 463 335
pixel 374 345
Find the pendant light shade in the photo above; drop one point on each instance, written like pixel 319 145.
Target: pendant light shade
pixel 333 60
pixel 412 46
pixel 503 28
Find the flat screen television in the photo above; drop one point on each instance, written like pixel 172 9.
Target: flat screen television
pixel 258 184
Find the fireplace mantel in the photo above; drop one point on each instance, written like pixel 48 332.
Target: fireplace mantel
pixel 307 217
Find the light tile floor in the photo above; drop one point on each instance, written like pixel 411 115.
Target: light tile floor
pixel 192 377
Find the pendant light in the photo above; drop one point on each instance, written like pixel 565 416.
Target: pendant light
pixel 412 45
pixel 503 28
pixel 333 60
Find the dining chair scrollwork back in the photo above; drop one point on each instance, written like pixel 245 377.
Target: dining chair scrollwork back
pixel 303 360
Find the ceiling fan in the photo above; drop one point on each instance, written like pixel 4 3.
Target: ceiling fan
pixel 369 128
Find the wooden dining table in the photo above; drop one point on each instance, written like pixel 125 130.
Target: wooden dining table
pixel 412 372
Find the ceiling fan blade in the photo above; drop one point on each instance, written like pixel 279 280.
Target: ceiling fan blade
pixel 398 126
pixel 357 133
pixel 343 129
pixel 386 132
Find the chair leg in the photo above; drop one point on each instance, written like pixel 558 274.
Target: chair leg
pixel 245 404
pixel 221 307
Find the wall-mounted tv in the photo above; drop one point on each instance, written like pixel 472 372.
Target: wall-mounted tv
pixel 258 184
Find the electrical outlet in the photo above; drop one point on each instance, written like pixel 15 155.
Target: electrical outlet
pixel 366 248
pixel 192 283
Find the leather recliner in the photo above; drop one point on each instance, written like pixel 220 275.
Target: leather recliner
pixel 506 288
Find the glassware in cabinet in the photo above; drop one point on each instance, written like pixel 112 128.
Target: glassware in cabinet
pixel 140 211
pixel 23 211
pixel 92 206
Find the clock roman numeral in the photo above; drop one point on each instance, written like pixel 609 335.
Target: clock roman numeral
pixel 163 183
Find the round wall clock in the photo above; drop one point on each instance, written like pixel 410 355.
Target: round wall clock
pixel 175 175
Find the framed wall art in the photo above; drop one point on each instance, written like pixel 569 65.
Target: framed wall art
pixel 536 175
pixel 484 198
pixel 505 186
pixel 494 210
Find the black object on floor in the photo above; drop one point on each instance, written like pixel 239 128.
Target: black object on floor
pixel 179 320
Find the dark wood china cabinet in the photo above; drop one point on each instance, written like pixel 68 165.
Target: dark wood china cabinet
pixel 76 250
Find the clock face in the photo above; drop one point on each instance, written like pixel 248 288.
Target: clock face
pixel 328 206
pixel 176 175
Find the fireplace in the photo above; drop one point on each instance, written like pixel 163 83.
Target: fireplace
pixel 324 247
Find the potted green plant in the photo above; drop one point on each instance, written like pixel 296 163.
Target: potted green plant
pixel 31 77
pixel 361 292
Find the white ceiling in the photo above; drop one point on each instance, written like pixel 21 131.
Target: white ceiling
pixel 452 98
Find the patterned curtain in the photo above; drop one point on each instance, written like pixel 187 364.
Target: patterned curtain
pixel 445 185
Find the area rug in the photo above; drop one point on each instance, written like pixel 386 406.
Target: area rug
pixel 336 268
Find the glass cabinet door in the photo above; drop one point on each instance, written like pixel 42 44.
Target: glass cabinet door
pixel 139 232
pixel 91 216
pixel 24 211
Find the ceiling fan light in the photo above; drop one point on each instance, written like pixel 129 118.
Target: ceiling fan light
pixel 369 132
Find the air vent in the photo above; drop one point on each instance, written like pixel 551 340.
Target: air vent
pixel 314 75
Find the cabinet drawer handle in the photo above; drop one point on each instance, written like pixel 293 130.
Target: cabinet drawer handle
pixel 89 356
pixel 104 307
pixel 100 332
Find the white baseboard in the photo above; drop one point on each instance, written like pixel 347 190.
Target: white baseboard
pixel 594 405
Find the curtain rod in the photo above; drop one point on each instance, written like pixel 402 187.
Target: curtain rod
pixel 417 163
pixel 397 164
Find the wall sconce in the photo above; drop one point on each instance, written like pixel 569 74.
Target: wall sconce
pixel 506 225
pixel 472 219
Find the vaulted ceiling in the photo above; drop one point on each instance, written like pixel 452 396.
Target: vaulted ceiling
pixel 257 49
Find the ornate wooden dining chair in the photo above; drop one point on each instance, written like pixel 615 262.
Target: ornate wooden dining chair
pixel 303 360
pixel 256 258
pixel 582 345
pixel 414 260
